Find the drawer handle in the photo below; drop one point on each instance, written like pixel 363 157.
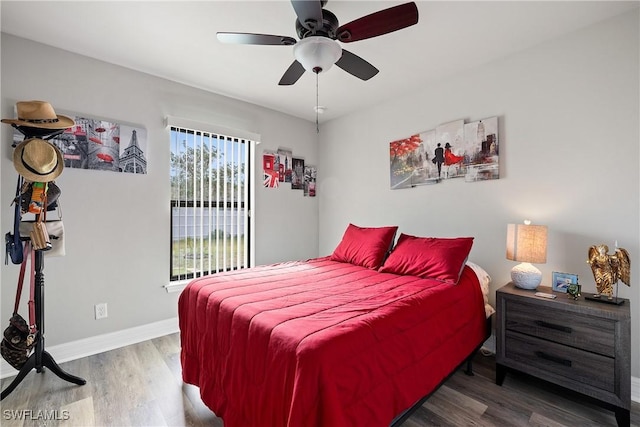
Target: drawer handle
pixel 553 326
pixel 559 360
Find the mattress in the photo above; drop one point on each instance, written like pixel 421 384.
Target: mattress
pixel 324 343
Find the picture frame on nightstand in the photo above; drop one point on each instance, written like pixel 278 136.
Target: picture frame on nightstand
pixel 561 281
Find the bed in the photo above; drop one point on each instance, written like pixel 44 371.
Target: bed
pixel 332 341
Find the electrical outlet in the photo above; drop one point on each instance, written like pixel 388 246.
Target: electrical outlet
pixel 101 310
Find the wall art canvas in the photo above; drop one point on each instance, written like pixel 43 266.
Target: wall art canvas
pixel 297 174
pixel 310 173
pixel 101 145
pixel 285 164
pixel 452 150
pixel 270 169
pixel 410 161
pixel 450 139
pixel 482 150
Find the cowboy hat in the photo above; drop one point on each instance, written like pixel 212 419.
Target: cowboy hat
pixel 38 160
pixel 39 114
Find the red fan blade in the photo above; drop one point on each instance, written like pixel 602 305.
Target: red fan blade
pixel 379 23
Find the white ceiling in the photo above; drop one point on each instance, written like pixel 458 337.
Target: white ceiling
pixel 176 40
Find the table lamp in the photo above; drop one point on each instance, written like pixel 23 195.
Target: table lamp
pixel 526 243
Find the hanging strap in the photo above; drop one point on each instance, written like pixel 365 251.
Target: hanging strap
pixel 32 292
pixel 29 253
pixel 17 216
pixel 23 267
pixel 42 216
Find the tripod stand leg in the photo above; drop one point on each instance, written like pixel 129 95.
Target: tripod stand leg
pixel 48 361
pixel 28 366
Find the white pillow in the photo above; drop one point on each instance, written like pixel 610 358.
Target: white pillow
pixel 484 279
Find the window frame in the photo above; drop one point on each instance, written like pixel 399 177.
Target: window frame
pixel 178 281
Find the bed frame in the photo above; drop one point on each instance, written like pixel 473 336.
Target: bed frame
pixel 400 419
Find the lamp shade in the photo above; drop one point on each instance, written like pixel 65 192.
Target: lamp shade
pixel 527 243
pixel 317 53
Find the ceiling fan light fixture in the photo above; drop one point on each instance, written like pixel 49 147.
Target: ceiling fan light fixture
pixel 317 53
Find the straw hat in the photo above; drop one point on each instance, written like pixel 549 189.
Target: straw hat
pixel 39 114
pixel 37 160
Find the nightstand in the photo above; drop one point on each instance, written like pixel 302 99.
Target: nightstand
pixel 581 345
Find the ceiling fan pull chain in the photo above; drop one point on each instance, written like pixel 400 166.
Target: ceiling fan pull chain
pixel 317 105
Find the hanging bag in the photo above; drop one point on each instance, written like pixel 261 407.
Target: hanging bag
pixel 34 206
pixel 55 227
pixel 19 338
pixel 13 244
pixel 39 235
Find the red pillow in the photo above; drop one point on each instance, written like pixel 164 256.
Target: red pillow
pixel 429 257
pixel 363 246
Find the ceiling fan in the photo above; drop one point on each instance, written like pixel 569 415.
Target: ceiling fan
pixel 318 29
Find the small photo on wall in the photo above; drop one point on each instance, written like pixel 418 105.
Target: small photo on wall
pixel 270 177
pixel 310 173
pixel 285 158
pixel 297 174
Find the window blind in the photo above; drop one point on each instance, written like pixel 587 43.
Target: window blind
pixel 210 202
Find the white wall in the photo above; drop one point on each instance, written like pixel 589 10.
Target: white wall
pixel 569 155
pixel 117 225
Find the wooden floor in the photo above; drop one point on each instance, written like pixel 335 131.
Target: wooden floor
pixel 140 385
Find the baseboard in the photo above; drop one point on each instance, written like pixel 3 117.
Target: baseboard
pixel 490 344
pixel 635 389
pixel 101 343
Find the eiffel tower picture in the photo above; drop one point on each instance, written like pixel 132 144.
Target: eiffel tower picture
pixel 132 159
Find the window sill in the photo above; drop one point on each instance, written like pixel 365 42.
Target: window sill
pixel 177 286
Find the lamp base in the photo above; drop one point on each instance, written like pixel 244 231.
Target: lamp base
pixel 526 276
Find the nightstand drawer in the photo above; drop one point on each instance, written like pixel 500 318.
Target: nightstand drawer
pixel 583 366
pixel 584 332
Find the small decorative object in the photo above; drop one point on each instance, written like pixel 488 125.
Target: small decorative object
pixel 561 281
pixel 607 271
pixel 526 243
pixel 573 290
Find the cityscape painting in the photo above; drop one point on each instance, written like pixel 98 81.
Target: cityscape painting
pixel 452 150
pixel 101 145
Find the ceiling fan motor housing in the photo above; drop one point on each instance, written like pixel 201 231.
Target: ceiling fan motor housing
pixel 328 28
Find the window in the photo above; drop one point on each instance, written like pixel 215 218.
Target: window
pixel 210 197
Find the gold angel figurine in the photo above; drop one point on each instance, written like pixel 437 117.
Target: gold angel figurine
pixel 608 269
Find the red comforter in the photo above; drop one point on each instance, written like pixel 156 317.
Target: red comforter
pixel 323 343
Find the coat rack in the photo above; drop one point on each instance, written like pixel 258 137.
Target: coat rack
pixel 39 358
